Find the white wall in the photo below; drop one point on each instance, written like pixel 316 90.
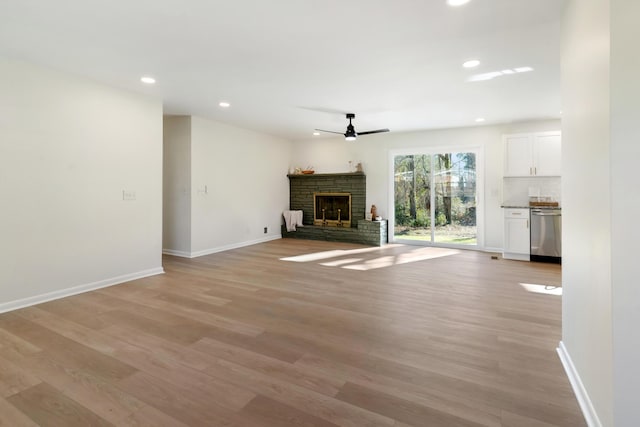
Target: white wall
pixel 333 154
pixel 68 148
pixel 625 207
pixel 586 185
pixel 177 185
pixel 245 176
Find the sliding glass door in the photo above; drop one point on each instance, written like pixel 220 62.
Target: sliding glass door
pixel 435 198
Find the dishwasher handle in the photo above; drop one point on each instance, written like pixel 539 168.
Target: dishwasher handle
pixel 541 213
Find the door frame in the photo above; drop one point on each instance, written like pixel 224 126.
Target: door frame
pixel 431 150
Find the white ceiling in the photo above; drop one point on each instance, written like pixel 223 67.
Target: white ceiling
pixel 286 65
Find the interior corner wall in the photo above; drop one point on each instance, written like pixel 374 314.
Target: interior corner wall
pixel 625 208
pixel 68 149
pixel 177 185
pixel 586 210
pixel 330 155
pixel 239 186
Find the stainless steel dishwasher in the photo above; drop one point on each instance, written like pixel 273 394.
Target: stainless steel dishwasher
pixel 546 235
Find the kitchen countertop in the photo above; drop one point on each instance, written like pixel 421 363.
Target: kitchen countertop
pixel 526 206
pixel 515 206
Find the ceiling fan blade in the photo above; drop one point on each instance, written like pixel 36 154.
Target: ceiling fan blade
pixel 373 131
pixel 330 131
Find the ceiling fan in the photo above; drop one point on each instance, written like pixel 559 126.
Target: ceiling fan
pixel 351 134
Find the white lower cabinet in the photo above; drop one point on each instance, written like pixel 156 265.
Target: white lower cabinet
pixel 517 235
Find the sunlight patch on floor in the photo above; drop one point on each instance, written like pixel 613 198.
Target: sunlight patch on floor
pixel 340 262
pixel 415 255
pixel 425 254
pixel 372 264
pixel 542 289
pixel 317 256
pixel 375 261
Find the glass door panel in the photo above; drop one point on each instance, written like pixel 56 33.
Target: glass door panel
pixel 412 196
pixel 454 178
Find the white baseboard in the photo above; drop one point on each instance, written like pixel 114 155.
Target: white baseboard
pixel 517 257
pixel 268 238
pixel 50 296
pixel 210 251
pixel 181 254
pixel 487 249
pixel 589 412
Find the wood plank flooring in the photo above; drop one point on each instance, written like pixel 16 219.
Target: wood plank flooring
pixel 296 333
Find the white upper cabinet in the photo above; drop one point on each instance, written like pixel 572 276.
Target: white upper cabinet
pixel 517 155
pixel 534 154
pixel 546 154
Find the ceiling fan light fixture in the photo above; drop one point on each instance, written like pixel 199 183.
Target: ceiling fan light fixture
pixel 351 134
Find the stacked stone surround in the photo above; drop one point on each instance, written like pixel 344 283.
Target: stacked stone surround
pixel 302 187
pixel 301 191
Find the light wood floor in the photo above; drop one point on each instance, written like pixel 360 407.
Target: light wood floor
pixel 296 333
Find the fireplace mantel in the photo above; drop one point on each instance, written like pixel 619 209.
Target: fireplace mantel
pixel 317 175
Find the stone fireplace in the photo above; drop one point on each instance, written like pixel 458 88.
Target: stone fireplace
pixel 332 209
pixel 303 189
pixel 343 191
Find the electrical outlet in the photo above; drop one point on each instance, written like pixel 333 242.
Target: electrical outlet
pixel 266 230
pixel 128 195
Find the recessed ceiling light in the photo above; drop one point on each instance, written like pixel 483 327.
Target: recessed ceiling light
pixel 471 63
pixel 480 120
pixel 507 71
pixel 316 134
pixel 224 104
pixel 523 69
pixel 147 80
pixel 456 3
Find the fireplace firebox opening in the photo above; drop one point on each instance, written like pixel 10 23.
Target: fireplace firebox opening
pixel 332 209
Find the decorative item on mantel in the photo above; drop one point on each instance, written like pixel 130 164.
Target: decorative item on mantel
pixel 308 171
pixel 355 167
pixel 299 171
pixel 374 214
